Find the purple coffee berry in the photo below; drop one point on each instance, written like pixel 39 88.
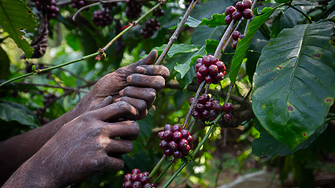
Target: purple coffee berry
pixel 200 107
pixel 177 154
pixel 205 114
pixel 203 70
pixel 229 10
pixel 183 144
pixel 209 79
pixel 137 184
pixel 227 107
pixel 217 106
pixel 163 144
pixel 239 5
pixel 247 13
pixel 196 115
pixel 237 15
pixel 167 135
pixel 177 136
pixel 190 139
pixel 173 146
pixel 227 117
pixel 247 4
pixel 127 184
pixel 200 76
pixel 221 66
pixel 234 44
pixel 161 135
pixel 213 69
pixel 135 171
pixel 167 152
pixel 175 128
pixel 207 61
pixel 167 127
pixel 235 35
pixel 127 177
pixel 185 133
pixel 191 101
pixel 208 105
pixel 228 19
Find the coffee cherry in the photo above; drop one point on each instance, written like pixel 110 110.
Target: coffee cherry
pixel 239 5
pixel 206 97
pixel 127 177
pixel 207 61
pixel 102 18
pixel 127 184
pixel 200 76
pixel 173 146
pixel 219 76
pixel 228 19
pixel 199 60
pixel 209 79
pixel 158 12
pixel 190 139
pixel 241 37
pixel 167 152
pixel 247 4
pixel 235 35
pixel 146 174
pixel 213 114
pixel 198 65
pixel 227 107
pixel 149 185
pixel 177 154
pixel 183 144
pixel 185 133
pixel 229 10
pixel 177 136
pixel 144 180
pixel 203 70
pixel 167 135
pixel 237 15
pixel 163 144
pixel 200 107
pixel 151 26
pixel 196 115
pixel 161 135
pixel 247 13
pixel 133 9
pixel 205 114
pixel 208 105
pixel 217 106
pixel 227 117
pixel 135 177
pixel 48 7
pixel 202 99
pixel 137 184
pixel 186 150
pixel 135 171
pixel 213 70
pixel 221 66
pixel 175 128
pixel 167 127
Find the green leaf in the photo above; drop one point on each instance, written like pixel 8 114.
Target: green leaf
pixel 294 82
pixel 243 44
pixel 216 20
pixel 178 48
pixel 207 9
pixel 183 68
pixel 16 18
pixel 211 45
pixel 191 22
pixel 4 64
pixel 10 111
pixel 267 145
pixel 201 33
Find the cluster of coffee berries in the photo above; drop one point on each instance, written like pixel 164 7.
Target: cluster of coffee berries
pixel 227 108
pixel 136 179
pixel 236 35
pixel 151 26
pixel 49 7
pixel 207 108
pixel 176 141
pixel 78 3
pixel 240 9
pixel 133 9
pixel 102 17
pixel 188 3
pixel 109 5
pixel 210 69
pixel 158 12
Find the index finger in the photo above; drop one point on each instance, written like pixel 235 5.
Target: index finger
pixel 116 110
pixel 153 70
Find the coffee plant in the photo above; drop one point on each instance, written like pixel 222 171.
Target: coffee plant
pixel 253 80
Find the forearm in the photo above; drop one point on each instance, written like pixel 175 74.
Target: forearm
pixel 16 150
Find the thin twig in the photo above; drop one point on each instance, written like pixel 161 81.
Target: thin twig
pixel 224 39
pixel 83 8
pixel 158 165
pixel 39 71
pixel 176 33
pixel 195 101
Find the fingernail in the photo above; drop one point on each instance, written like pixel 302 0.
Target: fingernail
pixel 129 78
pixel 117 100
pixel 140 69
pixel 121 92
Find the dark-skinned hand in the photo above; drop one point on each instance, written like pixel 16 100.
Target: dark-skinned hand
pixel 84 146
pixel 136 84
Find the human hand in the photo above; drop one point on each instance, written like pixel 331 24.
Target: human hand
pixel 84 146
pixel 136 84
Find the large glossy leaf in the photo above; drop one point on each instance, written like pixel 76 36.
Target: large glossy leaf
pixel 16 18
pixel 294 83
pixel 267 145
pixel 243 44
pixel 10 111
pixel 179 48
